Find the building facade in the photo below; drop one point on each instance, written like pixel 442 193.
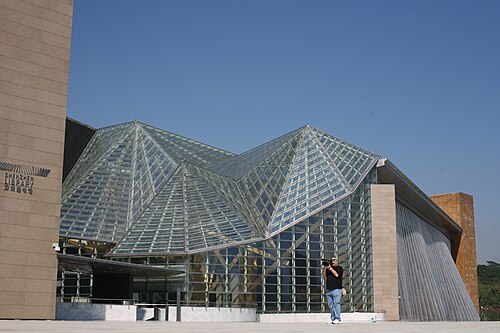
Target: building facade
pixel 34 61
pixel 146 212
pixel 251 229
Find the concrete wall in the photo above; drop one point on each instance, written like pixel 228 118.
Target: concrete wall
pixel 35 40
pixel 460 207
pixel 384 247
pixel 202 314
pixel 84 311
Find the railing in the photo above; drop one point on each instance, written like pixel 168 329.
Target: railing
pixel 91 300
pixel 122 301
pixel 244 305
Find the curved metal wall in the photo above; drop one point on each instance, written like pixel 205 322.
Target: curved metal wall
pixel 430 287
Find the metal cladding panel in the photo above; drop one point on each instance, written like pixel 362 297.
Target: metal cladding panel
pixel 76 138
pixel 430 287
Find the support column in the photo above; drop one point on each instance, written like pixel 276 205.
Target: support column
pixel 460 207
pixel 384 250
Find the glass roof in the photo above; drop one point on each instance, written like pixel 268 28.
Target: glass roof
pixel 196 209
pixel 180 148
pixel 264 182
pixel 155 192
pixel 352 161
pixel 313 182
pixel 96 193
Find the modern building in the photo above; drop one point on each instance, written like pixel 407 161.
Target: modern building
pixel 35 39
pixel 146 212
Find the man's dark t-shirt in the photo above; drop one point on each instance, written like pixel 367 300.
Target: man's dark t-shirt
pixel 333 282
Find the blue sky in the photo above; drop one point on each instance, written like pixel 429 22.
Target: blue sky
pixel 417 82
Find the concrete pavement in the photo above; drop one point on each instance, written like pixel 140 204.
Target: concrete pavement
pixel 19 326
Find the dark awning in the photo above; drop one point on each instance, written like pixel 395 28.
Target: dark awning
pixel 72 263
pixel 388 173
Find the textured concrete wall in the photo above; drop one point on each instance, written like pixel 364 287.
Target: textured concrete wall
pixel 34 61
pixel 384 247
pixel 84 311
pixel 460 207
pixel 202 314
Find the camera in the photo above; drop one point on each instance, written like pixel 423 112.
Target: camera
pixel 326 262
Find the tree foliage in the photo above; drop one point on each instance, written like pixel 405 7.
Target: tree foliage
pixel 489 290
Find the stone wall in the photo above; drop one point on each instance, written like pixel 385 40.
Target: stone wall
pixel 460 207
pixel 35 38
pixel 384 247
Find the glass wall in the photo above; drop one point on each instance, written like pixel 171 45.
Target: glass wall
pixel 283 274
pixel 74 283
pixel 278 275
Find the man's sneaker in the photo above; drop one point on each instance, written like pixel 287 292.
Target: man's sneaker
pixel 336 321
pixel 330 322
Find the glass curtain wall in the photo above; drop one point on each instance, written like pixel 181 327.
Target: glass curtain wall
pixel 283 273
pixel 75 285
pixel 278 275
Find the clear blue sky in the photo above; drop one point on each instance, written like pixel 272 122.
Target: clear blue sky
pixel 417 82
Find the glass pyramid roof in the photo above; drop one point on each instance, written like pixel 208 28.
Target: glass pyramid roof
pixel 313 182
pixel 266 171
pixel 95 198
pixel 154 192
pixel 118 174
pixel 195 210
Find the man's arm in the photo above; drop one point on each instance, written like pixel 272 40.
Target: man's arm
pixel 330 268
pixel 334 272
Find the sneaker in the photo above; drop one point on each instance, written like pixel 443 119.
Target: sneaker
pixel 330 322
pixel 336 321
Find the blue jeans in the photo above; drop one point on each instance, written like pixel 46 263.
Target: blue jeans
pixel 333 297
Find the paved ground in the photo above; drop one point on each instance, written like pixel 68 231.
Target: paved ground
pixel 109 326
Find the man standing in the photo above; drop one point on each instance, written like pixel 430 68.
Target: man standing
pixel 333 273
